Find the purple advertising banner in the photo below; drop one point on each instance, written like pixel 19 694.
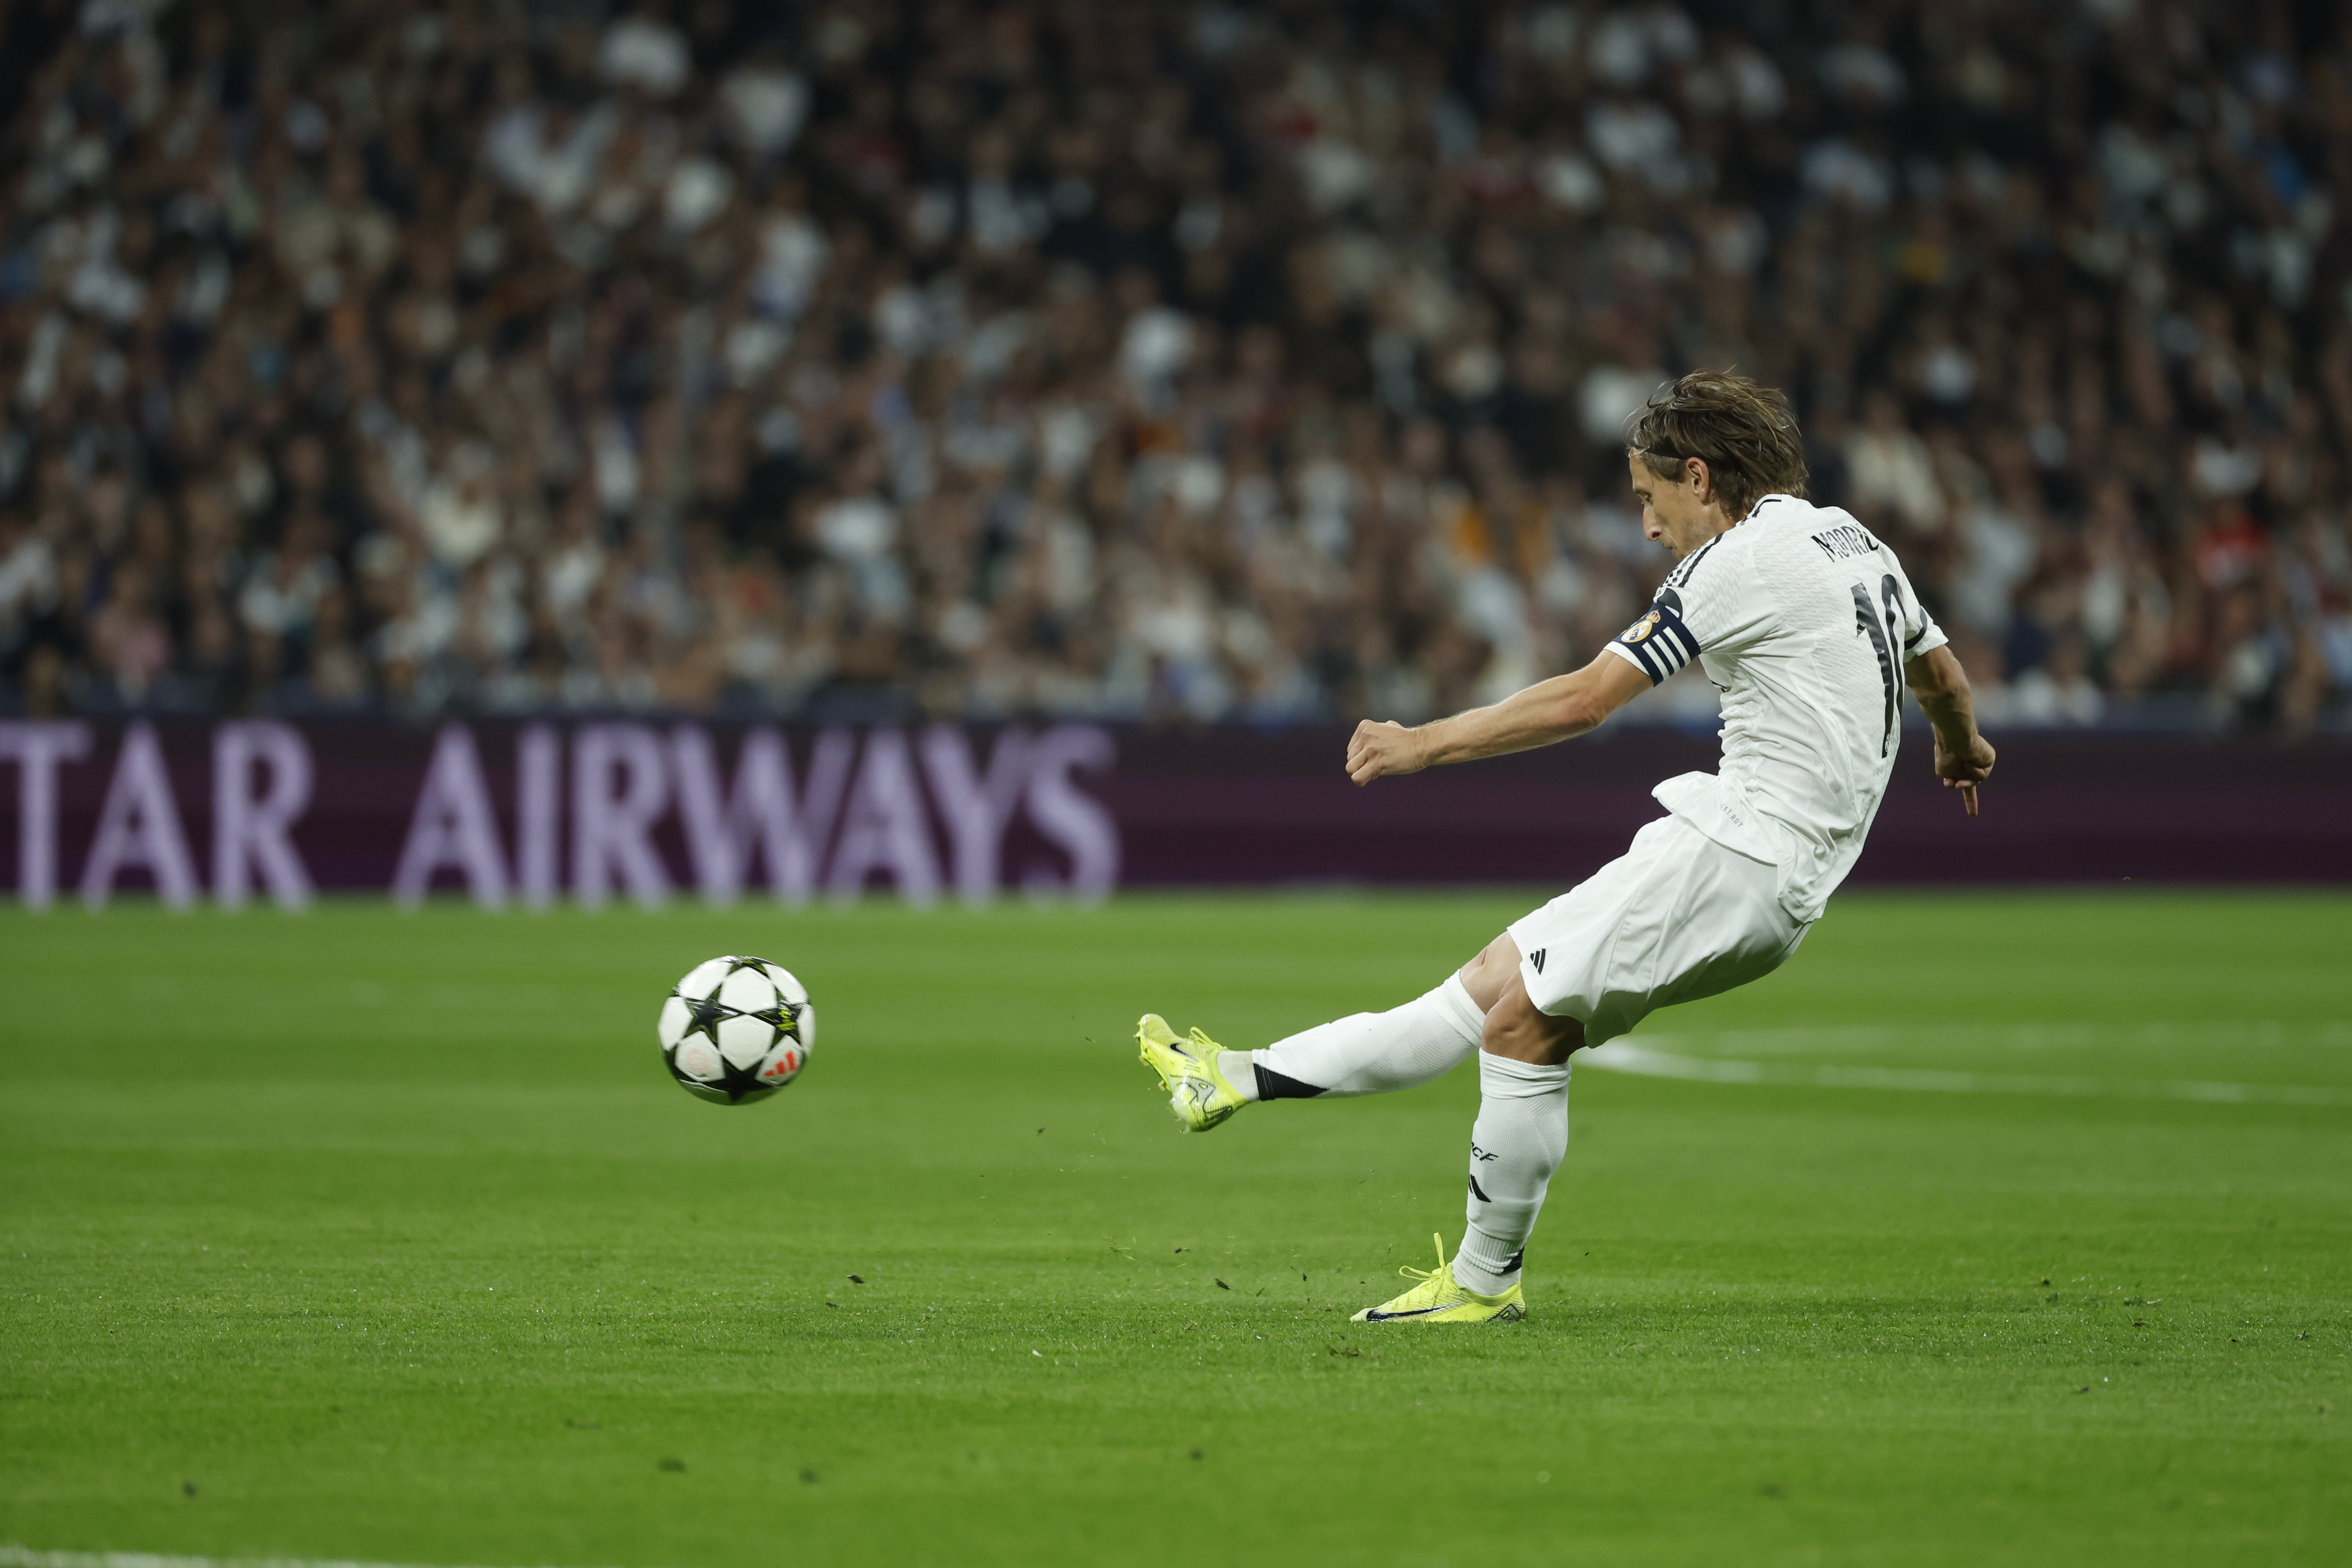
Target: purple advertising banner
pixel 594 810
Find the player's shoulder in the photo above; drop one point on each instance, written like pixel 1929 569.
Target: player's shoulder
pixel 1795 527
pixel 1725 566
pixel 1713 567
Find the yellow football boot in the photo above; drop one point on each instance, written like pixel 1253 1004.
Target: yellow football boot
pixel 1198 1091
pixel 1439 1299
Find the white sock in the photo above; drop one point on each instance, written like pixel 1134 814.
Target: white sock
pixel 1520 1137
pixel 1239 1069
pixel 1369 1053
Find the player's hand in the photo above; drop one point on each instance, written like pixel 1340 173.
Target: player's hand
pixel 1377 750
pixel 1964 770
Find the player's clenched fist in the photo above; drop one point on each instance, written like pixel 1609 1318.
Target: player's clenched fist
pixel 1965 770
pixel 1376 749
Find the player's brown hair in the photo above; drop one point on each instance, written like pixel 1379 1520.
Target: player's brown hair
pixel 1745 434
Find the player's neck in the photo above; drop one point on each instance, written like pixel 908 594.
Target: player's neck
pixel 1710 524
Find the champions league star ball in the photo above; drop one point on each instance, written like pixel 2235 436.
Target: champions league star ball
pixel 735 1029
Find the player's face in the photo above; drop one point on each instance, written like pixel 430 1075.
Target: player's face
pixel 1676 515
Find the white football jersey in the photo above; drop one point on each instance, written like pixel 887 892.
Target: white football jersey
pixel 1805 621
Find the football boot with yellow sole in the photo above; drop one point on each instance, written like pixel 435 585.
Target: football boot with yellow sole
pixel 1441 1299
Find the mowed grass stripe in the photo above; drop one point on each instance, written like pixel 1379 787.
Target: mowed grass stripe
pixel 12 1555
pixel 1646 1061
pixel 389 1235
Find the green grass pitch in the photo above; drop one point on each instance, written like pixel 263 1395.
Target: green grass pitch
pixel 364 1236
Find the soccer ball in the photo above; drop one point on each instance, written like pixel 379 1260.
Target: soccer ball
pixel 735 1029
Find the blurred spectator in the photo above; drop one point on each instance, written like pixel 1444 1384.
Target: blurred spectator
pixel 1147 359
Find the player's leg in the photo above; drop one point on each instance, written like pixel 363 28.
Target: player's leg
pixel 1378 1053
pixel 1675 918
pixel 1517 1142
pixel 1366 1054
pixel 1521 1134
pixel 1371 1053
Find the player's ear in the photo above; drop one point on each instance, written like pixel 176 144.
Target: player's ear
pixel 1697 473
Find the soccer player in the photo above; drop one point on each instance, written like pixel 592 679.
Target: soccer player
pixel 1807 624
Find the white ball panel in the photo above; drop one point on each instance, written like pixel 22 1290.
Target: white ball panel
pixel 697 1060
pixel 675 1016
pixel 783 1067
pixel 744 1040
pixel 703 977
pixel 788 985
pixel 748 990
pixel 806 1029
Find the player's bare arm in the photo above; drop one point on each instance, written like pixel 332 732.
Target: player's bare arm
pixel 1963 758
pixel 1557 709
pixel 1680 511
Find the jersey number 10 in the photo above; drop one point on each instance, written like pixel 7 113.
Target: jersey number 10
pixel 1886 637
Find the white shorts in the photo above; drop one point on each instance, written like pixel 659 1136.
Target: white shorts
pixel 1677 917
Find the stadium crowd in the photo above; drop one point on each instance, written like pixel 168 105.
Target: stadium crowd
pixel 1153 360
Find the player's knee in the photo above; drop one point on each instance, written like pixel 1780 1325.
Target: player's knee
pixel 1501 1028
pixel 1487 975
pixel 1518 1029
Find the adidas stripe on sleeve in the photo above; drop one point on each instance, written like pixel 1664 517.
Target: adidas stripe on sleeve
pixel 1658 644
